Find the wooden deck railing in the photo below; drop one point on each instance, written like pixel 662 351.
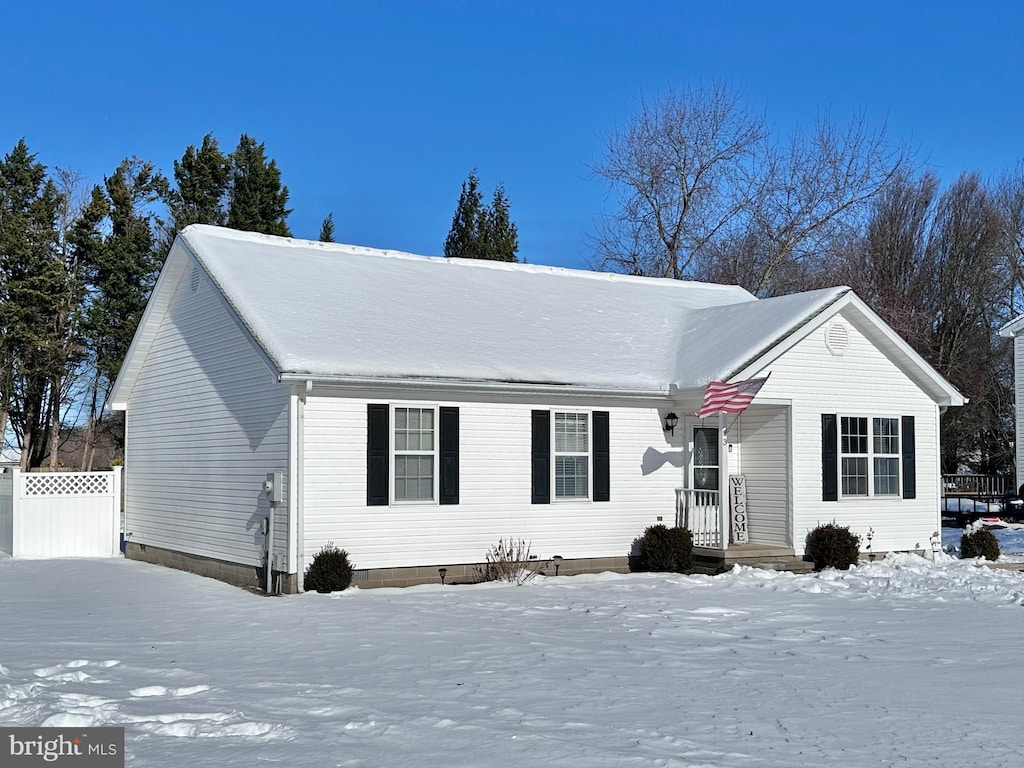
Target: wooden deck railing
pixel 983 487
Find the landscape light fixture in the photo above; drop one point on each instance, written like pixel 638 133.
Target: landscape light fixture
pixel 670 422
pixel 442 572
pixel 557 560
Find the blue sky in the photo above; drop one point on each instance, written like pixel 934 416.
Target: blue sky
pixel 376 111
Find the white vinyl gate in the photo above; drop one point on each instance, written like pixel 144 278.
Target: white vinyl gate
pixel 61 514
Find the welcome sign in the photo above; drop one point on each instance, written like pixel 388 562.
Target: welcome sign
pixel 738 508
pixel 62 747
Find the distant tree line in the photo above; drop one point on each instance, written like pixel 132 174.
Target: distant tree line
pixel 699 189
pixel 702 191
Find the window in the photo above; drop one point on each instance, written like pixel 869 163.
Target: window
pixel 886 451
pixel 572 456
pixel 576 458
pixel 869 451
pixel 414 454
pixel 705 458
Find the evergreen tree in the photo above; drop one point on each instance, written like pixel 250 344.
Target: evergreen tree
pixel 116 245
pixel 327 229
pixel 479 231
pixel 463 238
pixel 36 291
pixel 202 177
pixel 256 201
pixel 501 238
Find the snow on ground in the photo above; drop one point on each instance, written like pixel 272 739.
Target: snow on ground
pixel 901 662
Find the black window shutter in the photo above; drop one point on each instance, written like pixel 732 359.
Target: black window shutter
pixel 909 463
pixel 829 458
pixel 602 480
pixel 377 439
pixel 448 447
pixel 541 482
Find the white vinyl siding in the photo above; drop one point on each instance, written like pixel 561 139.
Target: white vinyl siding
pixel 760 438
pixel 494 487
pixel 205 422
pixel 1018 388
pixel 864 380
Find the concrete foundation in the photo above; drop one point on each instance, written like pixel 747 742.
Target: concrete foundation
pixel 249 576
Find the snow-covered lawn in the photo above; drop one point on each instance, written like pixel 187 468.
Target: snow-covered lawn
pixel 895 663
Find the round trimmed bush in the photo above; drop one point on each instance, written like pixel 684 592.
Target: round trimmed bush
pixel 833 546
pixel 330 571
pixel 979 543
pixel 665 549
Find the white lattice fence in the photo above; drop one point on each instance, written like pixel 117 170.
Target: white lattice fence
pixel 65 514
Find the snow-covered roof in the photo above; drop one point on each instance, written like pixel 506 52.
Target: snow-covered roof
pixel 327 311
pixel 1012 328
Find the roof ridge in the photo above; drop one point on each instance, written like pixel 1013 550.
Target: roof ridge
pixel 206 230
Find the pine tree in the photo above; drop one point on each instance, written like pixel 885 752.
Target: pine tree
pixel 120 255
pixel 463 238
pixel 479 231
pixel 36 290
pixel 501 237
pixel 327 229
pixel 257 201
pixel 201 177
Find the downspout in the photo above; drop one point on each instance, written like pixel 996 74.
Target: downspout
pixel 296 537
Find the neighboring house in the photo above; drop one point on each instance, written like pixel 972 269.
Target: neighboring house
pixel 10 458
pixel 1015 330
pixel 420 408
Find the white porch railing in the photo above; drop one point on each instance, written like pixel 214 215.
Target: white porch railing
pixel 698 511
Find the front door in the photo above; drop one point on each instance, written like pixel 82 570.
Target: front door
pixel 704 466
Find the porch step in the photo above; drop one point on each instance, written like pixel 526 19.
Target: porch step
pixel 712 561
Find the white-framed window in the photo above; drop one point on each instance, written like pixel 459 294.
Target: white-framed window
pixel 414 449
pixel 572 455
pixel 869 455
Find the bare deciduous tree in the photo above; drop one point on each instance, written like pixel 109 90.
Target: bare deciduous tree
pixel 701 193
pixel 815 191
pixel 680 171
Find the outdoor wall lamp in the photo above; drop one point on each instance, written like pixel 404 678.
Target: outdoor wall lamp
pixel 670 422
pixel 442 572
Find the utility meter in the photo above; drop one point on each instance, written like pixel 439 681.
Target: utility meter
pixel 273 486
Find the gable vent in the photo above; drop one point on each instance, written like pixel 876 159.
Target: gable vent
pixel 837 339
pixel 196 279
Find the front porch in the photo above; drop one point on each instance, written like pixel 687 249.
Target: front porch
pixel 719 542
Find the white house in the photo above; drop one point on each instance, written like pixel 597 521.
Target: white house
pixel 421 408
pixel 1015 330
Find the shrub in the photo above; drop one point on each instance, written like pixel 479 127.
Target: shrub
pixel 979 543
pixel 833 546
pixel 665 549
pixel 510 561
pixel 330 570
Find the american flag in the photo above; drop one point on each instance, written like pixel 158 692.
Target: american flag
pixel 733 398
